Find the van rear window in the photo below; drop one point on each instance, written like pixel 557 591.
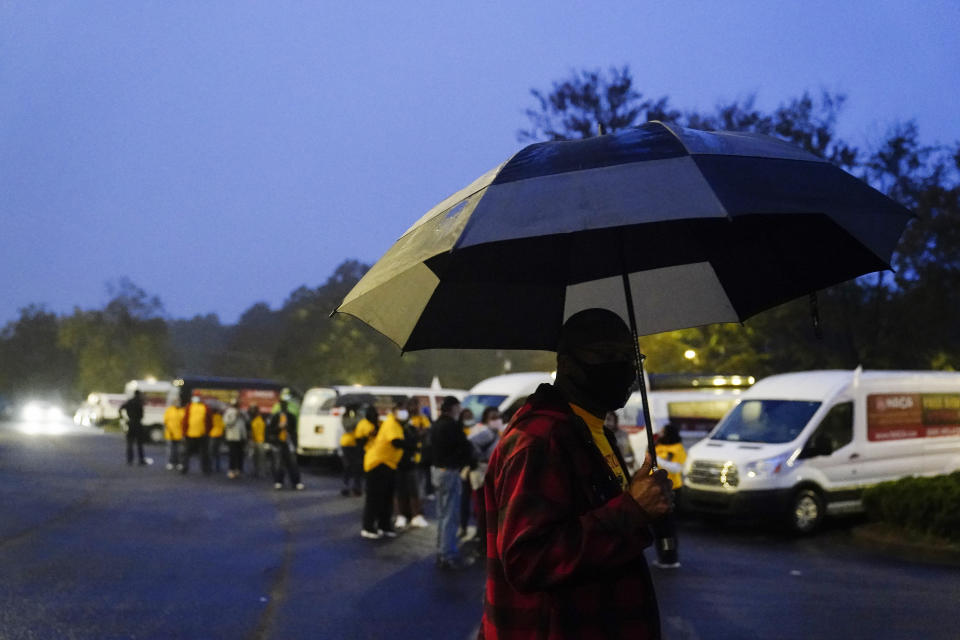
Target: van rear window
pixel 899 416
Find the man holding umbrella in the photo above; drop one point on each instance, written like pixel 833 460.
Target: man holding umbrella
pixel 566 528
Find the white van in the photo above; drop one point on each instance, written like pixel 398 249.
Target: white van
pixel 320 424
pixel 154 404
pixel 99 408
pixel 507 392
pixel 695 413
pixel 802 445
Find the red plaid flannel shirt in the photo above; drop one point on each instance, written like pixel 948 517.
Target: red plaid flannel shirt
pixel 564 542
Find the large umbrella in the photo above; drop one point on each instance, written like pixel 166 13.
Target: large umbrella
pixel 669 227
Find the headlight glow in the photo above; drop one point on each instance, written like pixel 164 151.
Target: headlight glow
pixel 769 466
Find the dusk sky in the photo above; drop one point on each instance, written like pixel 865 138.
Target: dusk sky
pixel 224 153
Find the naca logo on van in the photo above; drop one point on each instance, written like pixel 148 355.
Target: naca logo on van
pixel 918 415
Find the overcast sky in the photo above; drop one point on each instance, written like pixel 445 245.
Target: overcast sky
pixel 224 153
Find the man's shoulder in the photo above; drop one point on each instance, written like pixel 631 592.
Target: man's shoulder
pixel 543 419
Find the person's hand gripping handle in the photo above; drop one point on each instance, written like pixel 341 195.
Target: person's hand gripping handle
pixel 652 491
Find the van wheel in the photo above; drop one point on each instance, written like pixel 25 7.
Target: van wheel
pixel 156 435
pixel 806 511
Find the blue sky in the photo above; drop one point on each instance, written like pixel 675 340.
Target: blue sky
pixel 223 153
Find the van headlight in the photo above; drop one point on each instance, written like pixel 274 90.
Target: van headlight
pixel 769 466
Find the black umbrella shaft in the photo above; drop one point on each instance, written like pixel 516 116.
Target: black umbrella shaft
pixel 639 357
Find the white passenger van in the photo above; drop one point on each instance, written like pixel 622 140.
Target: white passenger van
pixel 694 412
pixel 99 408
pixel 507 392
pixel 320 424
pixel 154 404
pixel 802 445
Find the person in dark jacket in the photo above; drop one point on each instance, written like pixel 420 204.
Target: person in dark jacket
pixel 452 453
pixel 566 525
pixel 133 410
pixel 281 434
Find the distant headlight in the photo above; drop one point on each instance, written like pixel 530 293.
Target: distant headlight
pixel 32 412
pixel 54 413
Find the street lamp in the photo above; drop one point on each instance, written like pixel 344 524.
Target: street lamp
pixel 690 354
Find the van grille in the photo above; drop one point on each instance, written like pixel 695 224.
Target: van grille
pixel 714 474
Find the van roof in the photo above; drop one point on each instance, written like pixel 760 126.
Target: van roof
pixel 348 388
pixel 817 385
pixel 510 382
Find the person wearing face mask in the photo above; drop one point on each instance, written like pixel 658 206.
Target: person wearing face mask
pixel 451 453
pixel 409 507
pixel 565 523
pixel 384 448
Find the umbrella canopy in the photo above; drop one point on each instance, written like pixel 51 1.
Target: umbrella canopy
pixel 707 226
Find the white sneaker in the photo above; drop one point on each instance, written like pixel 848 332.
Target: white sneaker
pixel 665 565
pixel 169 467
pixel 389 534
pixel 419 522
pixel 300 486
pixel 469 534
pixel 370 535
pixel 278 485
pixel 400 522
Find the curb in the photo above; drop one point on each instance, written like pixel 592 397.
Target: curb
pixel 880 538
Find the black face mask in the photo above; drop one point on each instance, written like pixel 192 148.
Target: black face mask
pixel 609 384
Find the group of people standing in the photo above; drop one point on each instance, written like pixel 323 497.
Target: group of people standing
pixel 404 459
pixel 201 429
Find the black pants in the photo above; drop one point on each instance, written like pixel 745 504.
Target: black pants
pixel 353 469
pixel 196 446
pixel 215 451
pixel 408 497
pixel 135 437
pixel 285 463
pixel 378 505
pixel 235 448
pixel 665 532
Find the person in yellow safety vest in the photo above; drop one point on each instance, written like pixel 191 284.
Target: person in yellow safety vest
pixel 197 421
pixel 384 448
pixel 258 429
pixel 670 456
pixel 216 437
pixel 173 433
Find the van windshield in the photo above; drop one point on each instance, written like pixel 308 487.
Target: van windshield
pixel 477 403
pixel 768 421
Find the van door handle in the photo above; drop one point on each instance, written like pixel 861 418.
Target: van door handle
pixel 854 456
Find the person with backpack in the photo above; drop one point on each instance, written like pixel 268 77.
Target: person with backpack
pixel 351 452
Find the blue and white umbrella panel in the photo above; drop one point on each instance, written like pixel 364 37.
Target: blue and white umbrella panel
pixel 708 226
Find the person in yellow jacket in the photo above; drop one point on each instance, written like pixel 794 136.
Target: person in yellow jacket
pixel 670 456
pixel 351 453
pixel 383 448
pixel 216 437
pixel 258 428
pixel 197 421
pixel 173 433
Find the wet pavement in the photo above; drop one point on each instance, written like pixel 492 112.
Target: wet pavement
pixel 92 548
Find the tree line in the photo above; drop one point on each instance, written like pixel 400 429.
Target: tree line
pixel 905 319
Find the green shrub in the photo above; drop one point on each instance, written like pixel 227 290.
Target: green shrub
pixel 922 505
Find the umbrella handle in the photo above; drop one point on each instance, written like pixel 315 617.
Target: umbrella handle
pixel 638 361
